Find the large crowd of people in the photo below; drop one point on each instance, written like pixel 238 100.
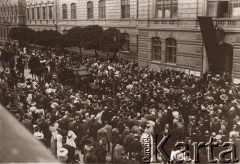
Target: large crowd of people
pixel 106 124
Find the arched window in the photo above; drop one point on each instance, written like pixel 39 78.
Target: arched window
pixel 73 11
pixel 125 8
pixel 64 11
pixel 156 49
pixel 102 7
pixel 127 42
pixel 171 50
pixel 166 8
pixel 90 10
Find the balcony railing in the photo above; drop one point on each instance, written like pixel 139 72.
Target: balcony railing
pixel 228 23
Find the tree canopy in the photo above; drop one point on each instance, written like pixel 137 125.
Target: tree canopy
pixel 112 40
pixel 22 34
pixel 14 33
pixel 72 38
pixel 91 37
pixel 47 38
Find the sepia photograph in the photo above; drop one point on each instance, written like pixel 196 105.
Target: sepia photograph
pixel 120 81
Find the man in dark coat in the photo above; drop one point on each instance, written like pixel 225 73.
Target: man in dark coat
pixel 135 147
pixel 27 122
pixel 71 150
pixel 100 152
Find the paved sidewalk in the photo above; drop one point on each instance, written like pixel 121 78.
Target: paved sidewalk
pixel 26 72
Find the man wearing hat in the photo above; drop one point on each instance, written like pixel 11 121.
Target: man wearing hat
pixel 71 150
pixel 63 155
pixel 27 122
pixel 136 147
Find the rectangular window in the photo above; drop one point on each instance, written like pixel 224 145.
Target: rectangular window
pixel 50 12
pixel 235 8
pixel 212 9
pixel 125 7
pixel 159 8
pixel 28 14
pixel 44 13
pixel 223 9
pixel 33 14
pixel 174 9
pixel 38 13
pixel 166 8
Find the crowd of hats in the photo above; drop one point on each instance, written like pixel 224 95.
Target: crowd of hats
pixel 132 101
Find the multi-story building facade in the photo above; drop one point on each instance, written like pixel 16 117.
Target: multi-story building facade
pixel 42 15
pixel 163 33
pixel 122 14
pixel 12 14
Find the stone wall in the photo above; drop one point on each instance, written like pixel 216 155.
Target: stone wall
pixel 189 49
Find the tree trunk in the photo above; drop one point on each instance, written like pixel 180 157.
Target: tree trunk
pixel 95 51
pixel 80 50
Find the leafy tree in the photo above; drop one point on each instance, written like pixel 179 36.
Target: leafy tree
pixel 91 37
pixel 48 38
pixel 22 34
pixel 14 33
pixel 30 35
pixel 72 38
pixel 112 40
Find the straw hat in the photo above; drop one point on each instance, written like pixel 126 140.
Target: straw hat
pixel 62 152
pixel 33 109
pixel 175 114
pixel 33 103
pixel 224 97
pixel 39 135
pixel 53 127
pixel 76 101
pixel 53 105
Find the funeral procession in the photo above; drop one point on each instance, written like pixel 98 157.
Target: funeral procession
pixel 120 81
